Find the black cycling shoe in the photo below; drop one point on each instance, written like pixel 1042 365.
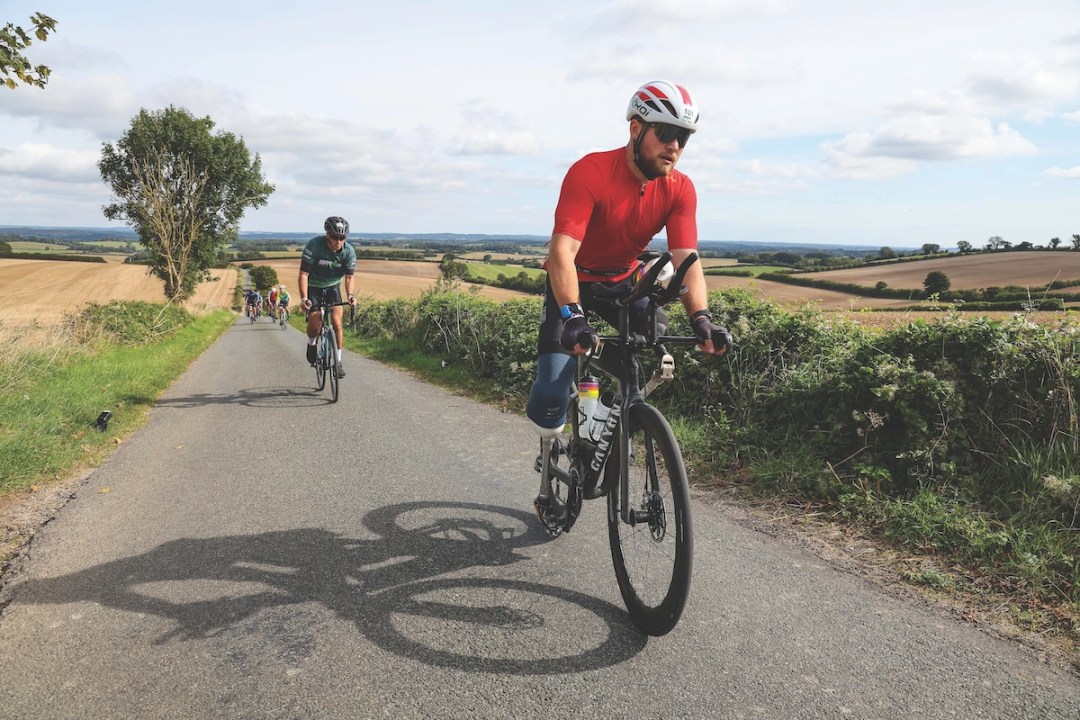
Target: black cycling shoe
pixel 312 354
pixel 550 513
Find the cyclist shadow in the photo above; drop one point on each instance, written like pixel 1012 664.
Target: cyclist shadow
pixel 260 397
pixel 396 588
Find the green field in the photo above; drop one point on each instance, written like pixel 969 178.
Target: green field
pixel 277 254
pixel 742 269
pixel 718 262
pixel 492 272
pixel 109 244
pixel 31 246
pixel 480 255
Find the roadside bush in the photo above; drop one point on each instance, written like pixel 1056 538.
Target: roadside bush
pixel 127 323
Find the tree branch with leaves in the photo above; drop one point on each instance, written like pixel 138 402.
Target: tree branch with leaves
pixel 14 65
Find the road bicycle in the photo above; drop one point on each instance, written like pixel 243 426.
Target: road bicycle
pixel 326 358
pixel 628 453
pixel 283 316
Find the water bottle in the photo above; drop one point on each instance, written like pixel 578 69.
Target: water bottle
pixel 600 415
pixel 588 395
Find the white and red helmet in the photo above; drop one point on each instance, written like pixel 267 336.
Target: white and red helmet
pixel 661 101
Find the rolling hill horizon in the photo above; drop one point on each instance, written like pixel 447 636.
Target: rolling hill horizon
pixel 88 234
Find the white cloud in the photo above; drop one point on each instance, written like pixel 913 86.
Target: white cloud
pixel 897 146
pixel 1025 87
pixel 65 57
pixel 35 161
pixel 648 15
pixel 853 158
pixel 1073 117
pixel 489 131
pixel 493 142
pixel 100 106
pixel 1072 173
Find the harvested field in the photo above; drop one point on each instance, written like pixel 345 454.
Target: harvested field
pixel 65 286
pixel 794 296
pixel 49 290
pixel 1036 268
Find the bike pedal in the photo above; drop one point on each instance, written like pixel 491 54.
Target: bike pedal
pixel 667 367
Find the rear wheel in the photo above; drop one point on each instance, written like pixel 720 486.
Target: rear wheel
pixel 332 365
pixel 653 553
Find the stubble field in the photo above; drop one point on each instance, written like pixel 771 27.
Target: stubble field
pixel 1036 268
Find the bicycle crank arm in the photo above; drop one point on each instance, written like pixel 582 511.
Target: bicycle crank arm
pixel 548 469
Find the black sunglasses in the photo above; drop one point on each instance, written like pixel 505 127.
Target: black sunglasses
pixel 336 238
pixel 665 133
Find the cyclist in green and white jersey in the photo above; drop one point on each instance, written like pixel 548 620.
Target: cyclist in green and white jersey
pixel 326 260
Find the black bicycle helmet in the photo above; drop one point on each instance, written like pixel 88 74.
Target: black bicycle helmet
pixel 336 225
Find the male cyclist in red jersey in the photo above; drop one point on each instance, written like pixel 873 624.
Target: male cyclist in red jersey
pixel 611 205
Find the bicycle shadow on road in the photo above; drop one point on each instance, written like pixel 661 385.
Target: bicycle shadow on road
pixel 406 590
pixel 260 397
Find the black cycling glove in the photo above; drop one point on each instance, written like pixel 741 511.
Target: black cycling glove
pixel 705 329
pixel 576 329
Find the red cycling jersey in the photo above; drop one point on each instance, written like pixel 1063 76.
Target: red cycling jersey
pixel 615 216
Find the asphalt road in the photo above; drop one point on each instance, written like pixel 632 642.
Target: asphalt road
pixel 257 552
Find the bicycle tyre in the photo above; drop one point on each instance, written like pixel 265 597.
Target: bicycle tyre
pixel 332 365
pixel 653 558
pixel 320 362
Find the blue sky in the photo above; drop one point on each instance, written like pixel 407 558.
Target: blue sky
pixel 829 121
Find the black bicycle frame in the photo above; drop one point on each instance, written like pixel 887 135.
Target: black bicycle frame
pixel 628 374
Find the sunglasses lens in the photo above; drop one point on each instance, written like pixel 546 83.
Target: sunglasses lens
pixel 337 238
pixel 666 133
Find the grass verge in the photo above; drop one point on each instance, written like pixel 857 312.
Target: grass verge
pixel 52 399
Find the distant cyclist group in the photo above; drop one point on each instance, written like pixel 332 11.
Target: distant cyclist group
pixel 275 302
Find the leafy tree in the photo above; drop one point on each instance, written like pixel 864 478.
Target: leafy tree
pixel 995 242
pixel 1054 242
pixel 931 249
pixel 1026 245
pixel 1076 242
pixel 183 190
pixel 886 253
pixel 963 246
pixel 936 282
pixel 13 40
pixel 264 277
pixel 451 268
